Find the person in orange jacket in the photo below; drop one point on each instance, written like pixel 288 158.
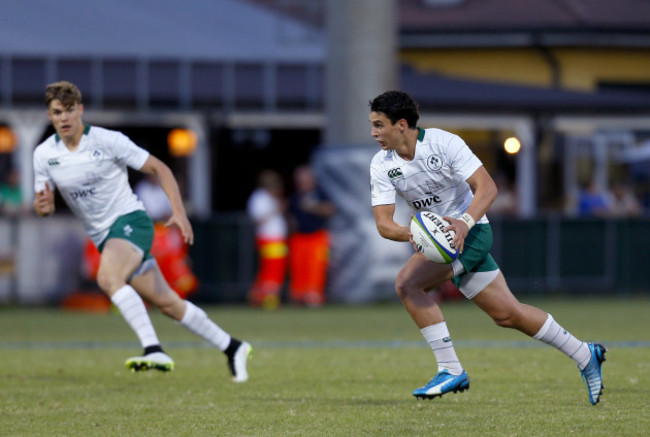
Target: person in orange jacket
pixel 309 242
pixel 266 207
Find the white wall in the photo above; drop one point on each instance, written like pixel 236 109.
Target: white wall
pixel 47 258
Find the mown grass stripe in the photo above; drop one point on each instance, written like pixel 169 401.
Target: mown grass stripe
pixel 310 344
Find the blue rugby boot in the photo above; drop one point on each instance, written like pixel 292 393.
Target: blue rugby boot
pixel 592 374
pixel 443 382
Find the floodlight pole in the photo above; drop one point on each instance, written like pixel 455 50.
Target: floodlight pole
pixel 361 63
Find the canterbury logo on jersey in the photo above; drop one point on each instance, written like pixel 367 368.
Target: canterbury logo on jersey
pixel 395 173
pixel 83 193
pixel 53 161
pixel 423 203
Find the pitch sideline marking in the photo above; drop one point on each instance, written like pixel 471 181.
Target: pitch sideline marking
pixel 311 344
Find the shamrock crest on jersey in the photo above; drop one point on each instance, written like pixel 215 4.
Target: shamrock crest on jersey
pixel 434 162
pixel 97 155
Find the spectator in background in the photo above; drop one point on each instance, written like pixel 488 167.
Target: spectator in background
pixel 266 207
pixel 11 199
pixel 154 198
pixel 309 209
pixel 592 201
pixel 623 202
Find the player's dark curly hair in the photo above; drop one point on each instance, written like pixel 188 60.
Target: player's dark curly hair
pixel 397 105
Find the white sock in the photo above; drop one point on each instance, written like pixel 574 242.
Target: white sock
pixel 197 321
pixel 438 338
pixel 553 334
pixel 135 313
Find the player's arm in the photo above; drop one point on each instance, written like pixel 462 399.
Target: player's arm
pixel 387 226
pixel 44 201
pixel 169 185
pixel 485 191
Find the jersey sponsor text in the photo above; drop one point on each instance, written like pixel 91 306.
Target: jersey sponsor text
pixel 426 202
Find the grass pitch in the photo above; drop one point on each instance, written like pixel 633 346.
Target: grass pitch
pixel 336 371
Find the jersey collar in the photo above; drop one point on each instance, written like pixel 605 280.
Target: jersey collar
pixel 420 134
pixel 86 130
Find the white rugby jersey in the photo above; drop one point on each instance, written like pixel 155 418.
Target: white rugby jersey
pixel 93 180
pixel 267 212
pixel 435 180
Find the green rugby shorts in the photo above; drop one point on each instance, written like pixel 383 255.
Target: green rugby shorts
pixel 135 227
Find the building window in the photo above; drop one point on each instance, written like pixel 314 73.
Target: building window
pixel 249 86
pixel 28 80
pixel 207 85
pixel 79 72
pixel 120 84
pixel 164 84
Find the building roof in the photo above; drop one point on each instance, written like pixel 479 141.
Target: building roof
pixel 449 23
pixel 506 15
pixel 253 32
pixel 195 29
pixel 507 23
pixel 434 92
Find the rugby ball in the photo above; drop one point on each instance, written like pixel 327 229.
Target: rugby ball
pixel 431 240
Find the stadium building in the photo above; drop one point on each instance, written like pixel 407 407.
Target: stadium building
pixel 569 79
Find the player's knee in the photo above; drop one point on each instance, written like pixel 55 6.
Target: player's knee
pixel 405 286
pixel 506 318
pixel 400 287
pixel 108 283
pixel 504 322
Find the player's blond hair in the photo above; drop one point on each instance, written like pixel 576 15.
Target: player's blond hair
pixel 65 92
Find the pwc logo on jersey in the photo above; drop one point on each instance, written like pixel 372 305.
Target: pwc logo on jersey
pixel 426 202
pixel 83 193
pixel 53 161
pixel 395 173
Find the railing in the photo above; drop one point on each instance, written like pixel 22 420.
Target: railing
pixel 543 255
pixel 224 257
pixel 41 258
pixel 562 254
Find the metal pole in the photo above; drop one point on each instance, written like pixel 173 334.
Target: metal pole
pixel 361 63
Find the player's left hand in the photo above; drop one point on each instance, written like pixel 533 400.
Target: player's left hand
pixel 44 201
pixel 411 240
pixel 461 230
pixel 183 224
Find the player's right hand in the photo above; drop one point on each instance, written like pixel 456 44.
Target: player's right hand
pixel 184 225
pixel 461 230
pixel 44 202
